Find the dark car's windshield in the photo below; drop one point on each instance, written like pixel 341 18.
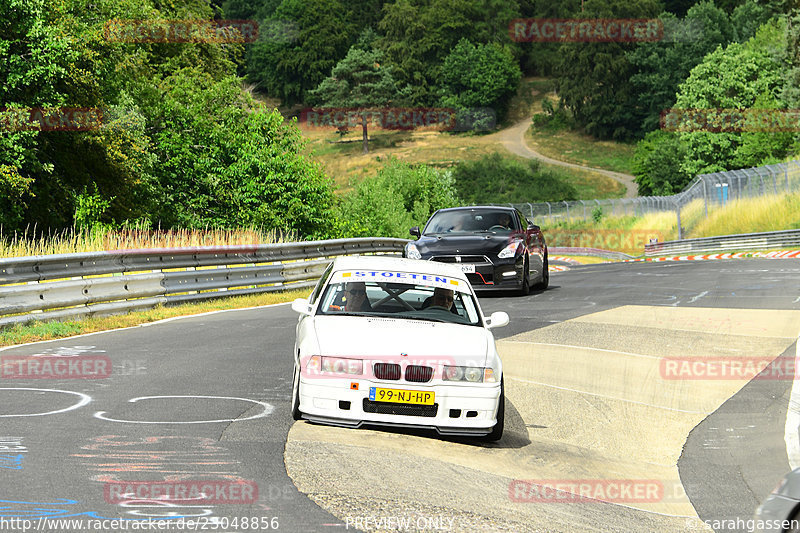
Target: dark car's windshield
pixel 472 221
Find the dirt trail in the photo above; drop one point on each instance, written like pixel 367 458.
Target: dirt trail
pixel 513 139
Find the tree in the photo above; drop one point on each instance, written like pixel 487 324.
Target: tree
pixel 359 81
pixel 398 197
pixel 592 78
pixel 288 69
pixel 473 76
pixel 228 161
pixel 417 36
pixel 730 78
pixel 657 164
pixel 662 66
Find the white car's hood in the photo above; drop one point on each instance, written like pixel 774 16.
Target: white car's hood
pixel 397 338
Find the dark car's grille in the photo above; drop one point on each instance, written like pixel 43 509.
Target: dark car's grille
pixel 384 408
pixel 419 374
pixel 464 259
pixel 386 371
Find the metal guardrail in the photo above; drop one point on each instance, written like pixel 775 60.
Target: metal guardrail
pixel 55 287
pixel 592 252
pixel 750 241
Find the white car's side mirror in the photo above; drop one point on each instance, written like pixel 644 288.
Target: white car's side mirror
pixel 301 306
pixel 498 319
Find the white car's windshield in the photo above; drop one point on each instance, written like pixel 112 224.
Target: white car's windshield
pixel 399 300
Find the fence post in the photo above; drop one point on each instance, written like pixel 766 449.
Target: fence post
pixel 549 212
pixel 584 209
pixel 531 208
pixel 786 173
pixel 705 196
pixel 566 204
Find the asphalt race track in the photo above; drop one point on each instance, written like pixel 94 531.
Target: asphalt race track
pixel 204 402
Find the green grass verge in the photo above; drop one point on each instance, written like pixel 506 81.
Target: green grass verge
pixel 41 331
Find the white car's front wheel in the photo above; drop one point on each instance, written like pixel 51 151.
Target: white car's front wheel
pixel 497 430
pixel 296 394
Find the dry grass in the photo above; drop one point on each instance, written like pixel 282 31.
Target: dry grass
pixel 40 331
pixel 752 215
pixel 69 241
pixel 768 213
pixel 575 147
pixel 343 160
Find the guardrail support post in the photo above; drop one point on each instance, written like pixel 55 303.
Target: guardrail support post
pixel 678 213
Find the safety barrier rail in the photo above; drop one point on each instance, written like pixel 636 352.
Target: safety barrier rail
pixel 57 287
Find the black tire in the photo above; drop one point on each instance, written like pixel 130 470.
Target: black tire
pixel 296 414
pixel 497 430
pixel 542 285
pixel 525 288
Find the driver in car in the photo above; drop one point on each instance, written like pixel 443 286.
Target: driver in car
pixel 443 299
pixel 355 298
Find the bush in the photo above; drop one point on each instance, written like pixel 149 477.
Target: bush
pixel 398 197
pixel 498 179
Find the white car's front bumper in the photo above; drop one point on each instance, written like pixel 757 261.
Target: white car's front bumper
pixel 461 409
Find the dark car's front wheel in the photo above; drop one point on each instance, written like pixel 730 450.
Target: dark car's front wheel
pixel 525 287
pixel 542 285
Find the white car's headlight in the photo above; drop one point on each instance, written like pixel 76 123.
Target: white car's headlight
pixel 341 365
pixel 510 250
pixel 472 374
pixel 412 252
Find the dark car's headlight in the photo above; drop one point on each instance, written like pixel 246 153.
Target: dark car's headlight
pixel 510 250
pixel 412 252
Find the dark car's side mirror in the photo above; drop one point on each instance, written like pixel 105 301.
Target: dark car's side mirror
pixel 414 231
pixel 534 227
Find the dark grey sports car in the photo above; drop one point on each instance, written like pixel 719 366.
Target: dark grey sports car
pixel 496 247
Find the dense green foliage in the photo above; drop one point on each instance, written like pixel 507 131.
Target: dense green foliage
pixel 499 179
pixel 398 197
pixel 319 34
pixel 181 144
pixel 482 76
pixel 739 76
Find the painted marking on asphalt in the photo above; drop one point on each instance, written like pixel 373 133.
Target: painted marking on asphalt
pixel 84 399
pixel 585 348
pixel 695 298
pixel 268 408
pixel 604 396
pixel 790 432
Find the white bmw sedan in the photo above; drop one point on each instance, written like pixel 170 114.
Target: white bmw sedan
pixel 398 342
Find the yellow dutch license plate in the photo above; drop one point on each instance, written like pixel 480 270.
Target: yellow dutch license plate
pixel 414 397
